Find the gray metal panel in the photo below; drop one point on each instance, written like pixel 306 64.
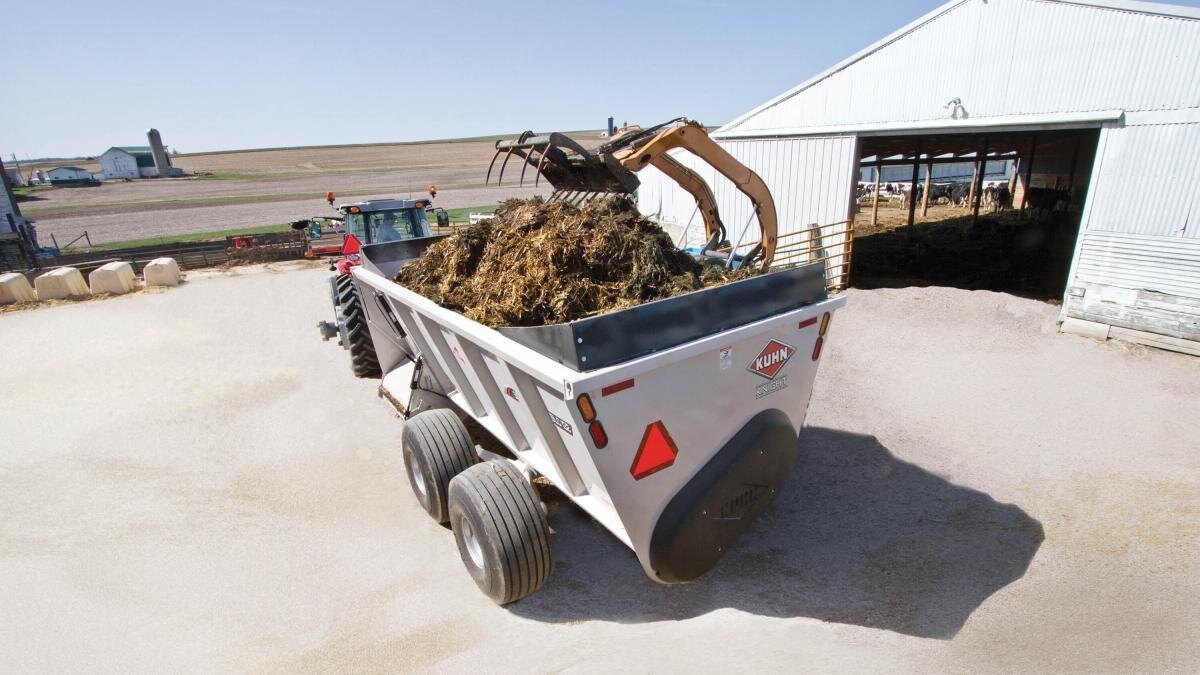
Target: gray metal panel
pixel 616 337
pixel 1003 57
pixel 387 258
pixel 1146 178
pixel 1168 265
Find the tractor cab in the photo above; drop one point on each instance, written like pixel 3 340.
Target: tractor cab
pixel 380 221
pixel 383 220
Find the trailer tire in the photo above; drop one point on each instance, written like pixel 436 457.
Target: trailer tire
pixel 501 530
pixel 357 336
pixel 437 448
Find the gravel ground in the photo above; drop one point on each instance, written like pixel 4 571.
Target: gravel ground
pixel 180 489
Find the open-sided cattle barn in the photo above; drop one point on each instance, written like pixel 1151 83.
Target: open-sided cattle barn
pixel 1094 107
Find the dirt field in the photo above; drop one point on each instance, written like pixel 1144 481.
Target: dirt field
pixel 431 153
pixel 146 220
pixel 979 494
pixel 345 158
pixel 271 186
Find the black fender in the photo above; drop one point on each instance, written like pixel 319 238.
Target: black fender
pixel 706 517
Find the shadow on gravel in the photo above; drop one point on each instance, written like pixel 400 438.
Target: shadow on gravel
pixel 857 536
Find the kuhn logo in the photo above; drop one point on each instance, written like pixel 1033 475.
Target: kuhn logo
pixel 737 507
pixel 771 359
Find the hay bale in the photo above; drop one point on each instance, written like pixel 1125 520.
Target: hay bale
pixel 536 263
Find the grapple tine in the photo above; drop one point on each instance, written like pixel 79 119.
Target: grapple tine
pixel 526 163
pixel 538 178
pixel 488 180
pixel 504 164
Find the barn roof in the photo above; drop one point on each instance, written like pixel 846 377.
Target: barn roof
pixel 941 58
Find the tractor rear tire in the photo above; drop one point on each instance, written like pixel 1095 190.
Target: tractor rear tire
pixel 437 448
pixel 357 337
pixel 501 530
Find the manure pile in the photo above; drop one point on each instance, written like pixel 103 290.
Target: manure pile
pixel 536 263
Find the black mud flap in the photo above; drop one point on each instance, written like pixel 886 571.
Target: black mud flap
pixel 707 516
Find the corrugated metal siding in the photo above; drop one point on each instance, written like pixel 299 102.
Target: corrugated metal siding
pixel 1168 265
pixel 1146 181
pixel 811 180
pixel 1007 57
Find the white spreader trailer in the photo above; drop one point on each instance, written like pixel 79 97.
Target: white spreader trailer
pixel 672 424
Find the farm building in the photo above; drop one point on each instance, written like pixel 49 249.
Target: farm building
pixel 130 161
pixel 16 232
pixel 70 175
pixel 10 213
pixel 14 176
pixel 1096 104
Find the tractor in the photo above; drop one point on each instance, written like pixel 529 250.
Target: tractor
pixel 375 221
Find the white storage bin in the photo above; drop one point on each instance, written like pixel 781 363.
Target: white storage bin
pixel 15 287
pixel 64 282
pixel 161 272
pixel 115 277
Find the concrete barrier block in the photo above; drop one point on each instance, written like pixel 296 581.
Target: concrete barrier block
pixel 64 282
pixel 161 272
pixel 1088 329
pixel 15 287
pixel 115 277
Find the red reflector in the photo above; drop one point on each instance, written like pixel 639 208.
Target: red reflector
pixel 598 436
pixel 817 348
pixel 351 245
pixel 614 388
pixel 807 322
pixel 656 452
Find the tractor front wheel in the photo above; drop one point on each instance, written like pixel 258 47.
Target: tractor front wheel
pixel 356 337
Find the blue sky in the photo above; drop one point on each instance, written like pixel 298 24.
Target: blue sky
pixel 213 74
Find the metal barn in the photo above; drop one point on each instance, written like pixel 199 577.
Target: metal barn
pixel 1096 103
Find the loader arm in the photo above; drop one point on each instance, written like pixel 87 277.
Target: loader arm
pixel 692 182
pixel 578 174
pixel 694 139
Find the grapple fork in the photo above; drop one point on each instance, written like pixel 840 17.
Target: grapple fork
pixel 566 165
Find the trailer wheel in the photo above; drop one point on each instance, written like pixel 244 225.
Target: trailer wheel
pixel 437 448
pixel 501 531
pixel 357 337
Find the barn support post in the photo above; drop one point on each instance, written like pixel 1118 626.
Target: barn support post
pixel 974 179
pixel 875 201
pixel 979 182
pixel 928 179
pixel 1028 175
pixel 912 185
pixel 1074 163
